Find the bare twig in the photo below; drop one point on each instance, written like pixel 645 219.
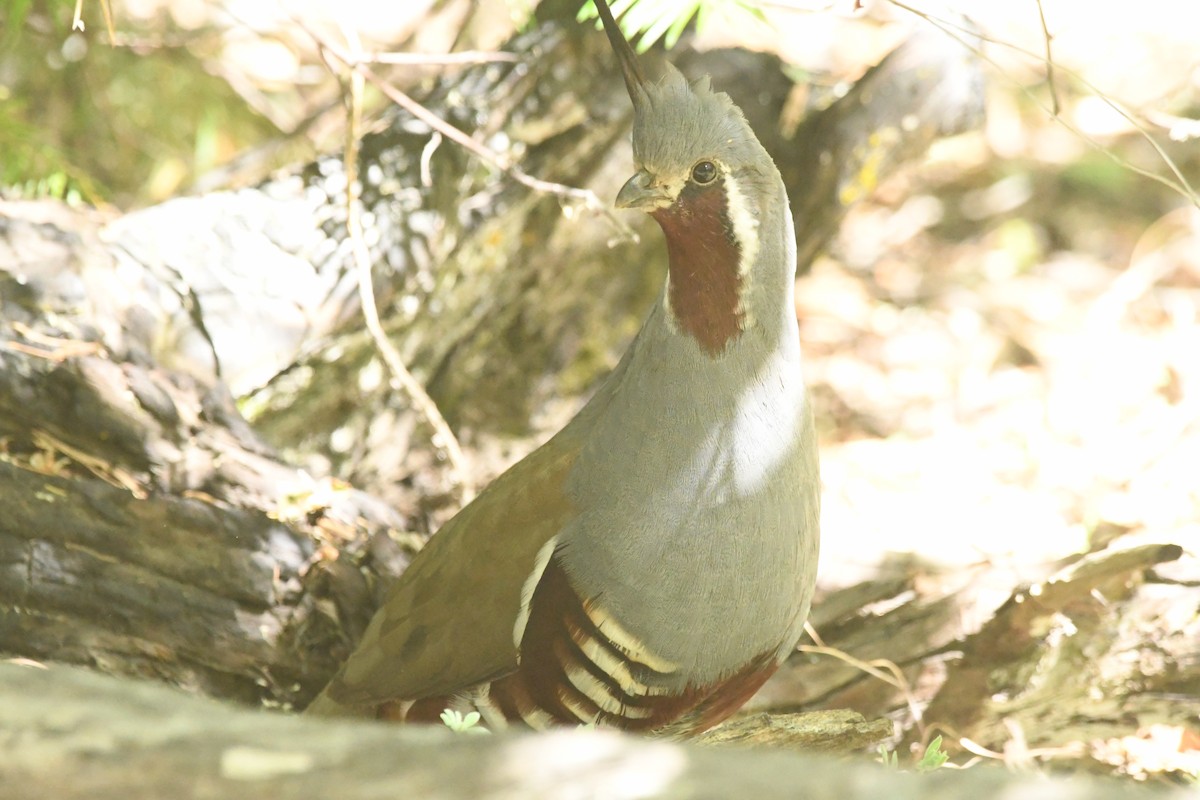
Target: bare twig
pixel 1049 61
pixel 1179 129
pixel 54 349
pixel 108 20
pixel 1148 265
pixel 815 7
pixel 109 473
pixel 439 59
pixel 967 36
pixel 57 355
pixel 971 746
pixel 443 436
pixel 78 25
pixel 427 158
pixel 875 668
pixel 491 157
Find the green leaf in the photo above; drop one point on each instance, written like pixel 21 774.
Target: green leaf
pixel 457 722
pixel 648 21
pixel 15 19
pixel 934 756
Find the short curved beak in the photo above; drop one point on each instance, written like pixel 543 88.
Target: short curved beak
pixel 640 192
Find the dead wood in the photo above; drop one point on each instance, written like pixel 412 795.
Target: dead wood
pixel 68 733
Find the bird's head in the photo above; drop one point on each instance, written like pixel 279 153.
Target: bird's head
pixel 705 178
pixel 688 142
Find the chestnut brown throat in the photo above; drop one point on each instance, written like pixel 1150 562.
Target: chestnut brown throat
pixel 704 283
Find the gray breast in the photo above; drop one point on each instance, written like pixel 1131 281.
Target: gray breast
pixel 697 499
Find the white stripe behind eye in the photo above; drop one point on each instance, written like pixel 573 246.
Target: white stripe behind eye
pixel 745 228
pixel 527 589
pixel 745 224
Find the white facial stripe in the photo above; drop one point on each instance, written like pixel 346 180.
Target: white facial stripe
pixel 670 315
pixel 745 228
pixel 674 186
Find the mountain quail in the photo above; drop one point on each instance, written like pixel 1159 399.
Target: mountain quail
pixel 651 565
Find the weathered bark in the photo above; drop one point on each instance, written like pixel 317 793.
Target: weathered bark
pixel 815 732
pixel 146 529
pixel 68 734
pixel 1099 648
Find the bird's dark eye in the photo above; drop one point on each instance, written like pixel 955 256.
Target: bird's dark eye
pixel 704 172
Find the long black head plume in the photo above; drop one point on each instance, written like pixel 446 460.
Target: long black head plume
pixel 635 79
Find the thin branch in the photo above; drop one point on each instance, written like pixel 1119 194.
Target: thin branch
pixel 815 7
pixel 443 436
pixel 56 349
pixel 1049 61
pixel 481 151
pixel 963 35
pixel 439 59
pixel 77 23
pixel 875 669
pixel 1179 129
pixel 111 474
pixel 108 21
pixel 427 159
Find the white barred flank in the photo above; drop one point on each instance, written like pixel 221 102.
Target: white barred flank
pixel 533 716
pixel 626 642
pixel 527 589
pixel 614 667
pixel 602 695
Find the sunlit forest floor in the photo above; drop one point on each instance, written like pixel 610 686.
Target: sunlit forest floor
pixel 1004 359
